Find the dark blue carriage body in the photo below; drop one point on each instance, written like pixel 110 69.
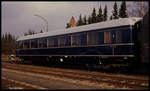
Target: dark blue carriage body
pixel 114 41
pixel 122 50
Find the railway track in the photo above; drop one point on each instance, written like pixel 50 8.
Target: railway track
pixel 115 80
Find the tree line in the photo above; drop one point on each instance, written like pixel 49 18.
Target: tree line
pixel 31 32
pixel 102 15
pixel 8 43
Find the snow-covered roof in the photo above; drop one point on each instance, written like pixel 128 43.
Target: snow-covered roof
pixel 94 26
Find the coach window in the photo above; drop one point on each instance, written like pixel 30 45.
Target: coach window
pixel 76 39
pixel 93 38
pixel 28 43
pixel 32 43
pixel 35 43
pixel 50 42
pixel 101 37
pixel 47 43
pixel 44 42
pixel 55 42
pixel 25 44
pixel 118 36
pixel 61 41
pixel 83 39
pixel 126 36
pixel 16 44
pixel 20 44
pixel 40 43
pixel 68 40
pixel 107 37
pixel 64 41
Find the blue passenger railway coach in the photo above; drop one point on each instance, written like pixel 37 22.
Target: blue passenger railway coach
pixel 109 39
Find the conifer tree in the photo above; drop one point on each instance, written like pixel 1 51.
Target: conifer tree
pixel 80 21
pixel 89 20
pixel 105 13
pixel 9 36
pixel 2 37
pixel 84 20
pixel 111 17
pixel 122 11
pixel 94 16
pixel 41 31
pixel 68 25
pixel 115 11
pixel 6 36
pixel 100 15
pixel 8 43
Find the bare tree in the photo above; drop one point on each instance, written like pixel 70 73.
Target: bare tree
pixel 137 8
pixel 30 32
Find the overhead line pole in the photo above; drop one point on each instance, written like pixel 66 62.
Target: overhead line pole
pixel 44 20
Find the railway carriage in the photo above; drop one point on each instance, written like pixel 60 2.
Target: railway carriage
pixel 111 39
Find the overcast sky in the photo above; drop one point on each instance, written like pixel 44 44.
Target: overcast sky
pixel 18 17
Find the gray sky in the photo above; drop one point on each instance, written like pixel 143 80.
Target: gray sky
pixel 18 17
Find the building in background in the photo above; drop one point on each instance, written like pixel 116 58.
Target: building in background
pixel 72 22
